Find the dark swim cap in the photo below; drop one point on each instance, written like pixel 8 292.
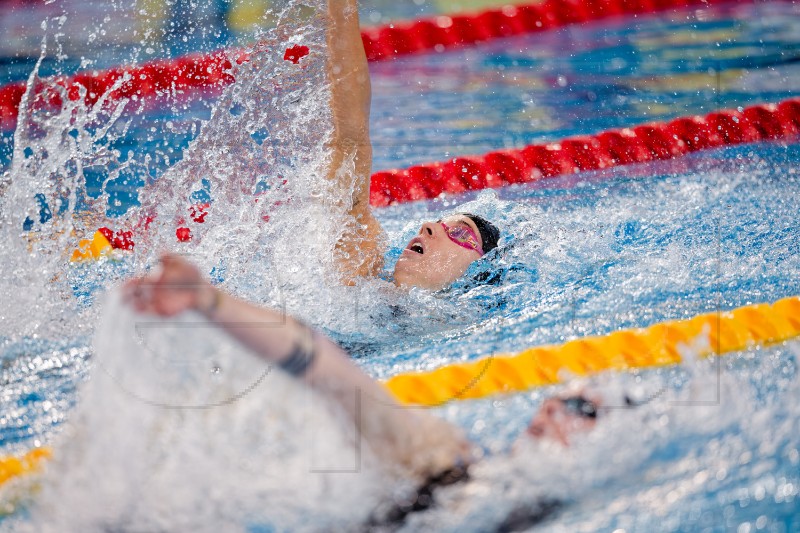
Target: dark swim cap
pixel 489 232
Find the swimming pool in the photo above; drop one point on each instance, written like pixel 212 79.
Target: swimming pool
pixel 617 248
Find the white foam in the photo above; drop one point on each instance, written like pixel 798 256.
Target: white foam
pixel 198 435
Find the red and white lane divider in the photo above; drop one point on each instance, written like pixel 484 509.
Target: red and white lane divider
pixel 648 142
pixel 449 31
pixel 639 144
pixel 198 71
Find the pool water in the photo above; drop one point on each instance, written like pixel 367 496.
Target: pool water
pixel 715 449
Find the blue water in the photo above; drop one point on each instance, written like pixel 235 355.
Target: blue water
pixel 583 255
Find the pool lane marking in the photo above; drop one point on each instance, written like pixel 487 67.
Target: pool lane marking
pixel 647 142
pixel 657 345
pixel 639 144
pixel 212 71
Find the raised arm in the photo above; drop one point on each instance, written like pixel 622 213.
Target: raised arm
pixel 360 250
pixel 420 443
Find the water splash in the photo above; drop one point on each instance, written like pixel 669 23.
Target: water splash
pixel 45 204
pixel 260 162
pixel 199 439
pixel 195 430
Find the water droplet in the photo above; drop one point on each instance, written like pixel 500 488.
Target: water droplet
pixel 794 456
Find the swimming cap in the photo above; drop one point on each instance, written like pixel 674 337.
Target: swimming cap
pixel 489 232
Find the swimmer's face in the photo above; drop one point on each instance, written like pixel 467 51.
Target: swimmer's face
pixel 432 260
pixel 556 422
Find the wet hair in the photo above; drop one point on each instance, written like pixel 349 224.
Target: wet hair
pixel 490 234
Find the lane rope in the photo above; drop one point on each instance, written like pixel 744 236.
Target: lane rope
pixel 639 144
pixel 438 33
pixel 647 142
pixel 658 345
pixel 12 467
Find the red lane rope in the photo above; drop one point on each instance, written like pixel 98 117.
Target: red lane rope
pixel 196 71
pixel 449 31
pixel 381 43
pixel 647 142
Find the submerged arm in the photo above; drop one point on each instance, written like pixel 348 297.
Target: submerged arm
pixel 360 249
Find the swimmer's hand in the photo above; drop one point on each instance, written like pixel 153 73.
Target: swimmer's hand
pixel 177 287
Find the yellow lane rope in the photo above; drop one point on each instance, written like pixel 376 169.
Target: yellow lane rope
pixel 95 248
pixel 11 467
pixel 657 345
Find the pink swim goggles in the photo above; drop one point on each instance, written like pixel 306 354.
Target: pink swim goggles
pixel 464 237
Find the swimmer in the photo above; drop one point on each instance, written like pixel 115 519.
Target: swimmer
pixel 442 250
pixel 410 442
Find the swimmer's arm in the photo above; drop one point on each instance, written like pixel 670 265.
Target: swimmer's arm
pixel 360 250
pixel 272 335
pixel 394 432
pixel 420 443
